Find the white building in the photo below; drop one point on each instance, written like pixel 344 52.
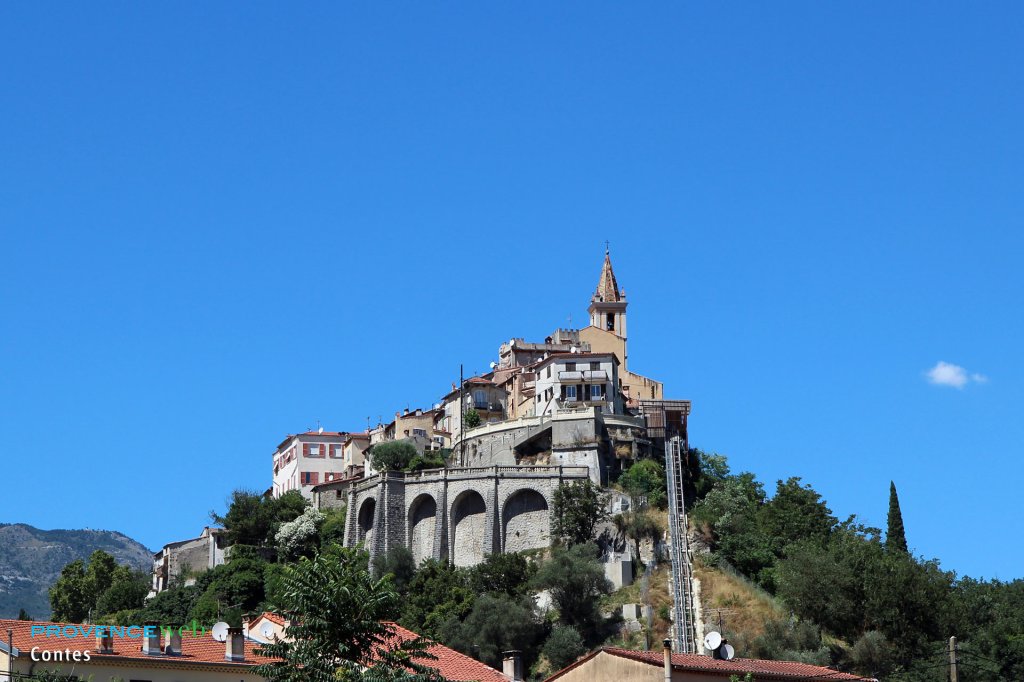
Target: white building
pixel 570 381
pixel 307 459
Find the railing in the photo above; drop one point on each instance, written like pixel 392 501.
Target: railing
pixel 489 472
pixel 684 625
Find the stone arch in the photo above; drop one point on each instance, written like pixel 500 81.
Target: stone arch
pixel 367 515
pixel 469 528
pixel 525 521
pixel 422 524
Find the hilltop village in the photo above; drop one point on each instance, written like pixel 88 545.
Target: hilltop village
pixel 560 409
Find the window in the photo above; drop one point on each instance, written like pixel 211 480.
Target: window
pixel 570 367
pixel 547 372
pixel 596 390
pixel 610 322
pixel 594 366
pixel 570 392
pixel 310 477
pixel 419 432
pixel 311 449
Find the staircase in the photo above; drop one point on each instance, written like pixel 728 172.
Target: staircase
pixel 684 628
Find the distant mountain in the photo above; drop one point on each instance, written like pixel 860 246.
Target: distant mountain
pixel 31 560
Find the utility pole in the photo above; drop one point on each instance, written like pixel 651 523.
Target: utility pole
pixel 954 675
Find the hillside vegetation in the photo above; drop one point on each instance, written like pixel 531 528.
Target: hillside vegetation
pixel 31 559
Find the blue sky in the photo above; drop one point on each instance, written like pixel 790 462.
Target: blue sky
pixel 221 224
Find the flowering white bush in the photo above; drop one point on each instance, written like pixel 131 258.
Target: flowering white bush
pixel 294 535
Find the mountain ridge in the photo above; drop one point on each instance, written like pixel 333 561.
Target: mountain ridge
pixel 31 559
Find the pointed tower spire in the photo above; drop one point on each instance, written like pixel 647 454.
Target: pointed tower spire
pixel 607 288
pixel 608 304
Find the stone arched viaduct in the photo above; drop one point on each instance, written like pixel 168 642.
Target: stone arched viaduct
pixel 459 514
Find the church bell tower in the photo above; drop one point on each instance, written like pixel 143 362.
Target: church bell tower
pixel 608 304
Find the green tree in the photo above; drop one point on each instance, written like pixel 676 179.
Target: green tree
pixel 70 596
pixel 563 646
pixel 729 517
pixel 895 536
pixel 711 469
pixel 438 591
pixel 127 590
pixel 249 519
pixel 472 418
pixel 431 459
pixel 229 590
pixel 23 615
pixel 872 654
pixel 576 510
pixel 790 640
pixel 496 623
pixel 99 573
pixel 392 455
pixel 507 573
pixel 332 531
pixel 172 606
pixel 338 625
pixel 398 562
pixel 646 478
pixel 796 512
pixel 576 581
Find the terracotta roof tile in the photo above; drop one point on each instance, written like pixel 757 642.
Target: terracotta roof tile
pixel 202 648
pixel 451 664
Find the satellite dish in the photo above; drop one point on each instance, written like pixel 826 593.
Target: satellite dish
pixel 712 641
pixel 493 365
pixel 727 652
pixel 220 631
pixel 267 630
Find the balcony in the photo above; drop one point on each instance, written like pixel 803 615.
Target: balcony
pixel 595 375
pixel 570 376
pixel 483 406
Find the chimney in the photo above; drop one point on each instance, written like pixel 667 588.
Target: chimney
pixel 234 645
pixel 512 665
pixel 172 643
pixel 151 641
pixel 104 641
pixel 246 618
pixel 667 644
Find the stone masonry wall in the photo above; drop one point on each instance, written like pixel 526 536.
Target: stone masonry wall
pixel 457 514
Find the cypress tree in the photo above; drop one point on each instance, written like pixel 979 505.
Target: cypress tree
pixel 895 535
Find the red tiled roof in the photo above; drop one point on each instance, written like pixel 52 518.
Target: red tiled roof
pixel 763 669
pixel 451 664
pixel 201 648
pixel 272 617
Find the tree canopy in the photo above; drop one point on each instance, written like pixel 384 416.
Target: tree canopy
pixel 338 625
pixel 576 510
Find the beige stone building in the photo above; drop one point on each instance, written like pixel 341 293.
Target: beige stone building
pixel 611 664
pixel 184 559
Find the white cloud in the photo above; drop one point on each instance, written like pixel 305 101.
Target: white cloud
pixel 948 374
